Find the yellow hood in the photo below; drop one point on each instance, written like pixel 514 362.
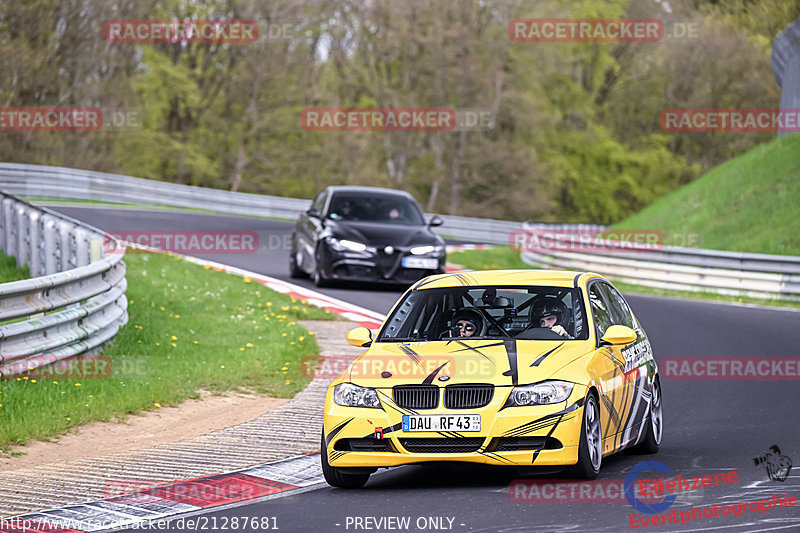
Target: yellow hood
pixel 497 361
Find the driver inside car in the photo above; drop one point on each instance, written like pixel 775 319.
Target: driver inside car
pixel 465 323
pixel 552 314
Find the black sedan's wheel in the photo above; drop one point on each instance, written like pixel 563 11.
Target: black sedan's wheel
pixel 294 270
pixel 590 448
pixel 335 477
pixel 654 423
pixel 316 277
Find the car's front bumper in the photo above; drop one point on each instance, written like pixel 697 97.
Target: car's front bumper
pixel 544 435
pixel 375 268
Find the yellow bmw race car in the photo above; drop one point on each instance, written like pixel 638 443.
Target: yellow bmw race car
pixel 507 367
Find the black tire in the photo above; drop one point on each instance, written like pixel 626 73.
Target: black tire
pixel 294 270
pixel 335 477
pixel 590 448
pixel 316 276
pixel 653 423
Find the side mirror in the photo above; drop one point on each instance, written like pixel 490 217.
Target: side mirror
pixel 361 337
pixel 436 220
pixel 313 212
pixel 618 335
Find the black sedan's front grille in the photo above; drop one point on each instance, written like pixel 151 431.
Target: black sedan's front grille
pixel 467 396
pixel 458 445
pixel 416 396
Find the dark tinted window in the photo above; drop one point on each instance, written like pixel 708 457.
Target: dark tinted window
pixel 503 312
pixel 600 312
pixel 386 209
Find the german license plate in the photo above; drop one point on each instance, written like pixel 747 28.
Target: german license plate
pixel 458 423
pixel 421 262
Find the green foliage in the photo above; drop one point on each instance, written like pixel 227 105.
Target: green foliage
pixel 748 204
pixel 576 134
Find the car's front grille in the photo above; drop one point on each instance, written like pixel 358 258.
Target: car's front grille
pixel 514 444
pixel 458 445
pixel 363 445
pixel 416 396
pixel 467 396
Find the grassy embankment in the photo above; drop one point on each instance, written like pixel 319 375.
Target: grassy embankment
pixel 190 328
pixel 749 204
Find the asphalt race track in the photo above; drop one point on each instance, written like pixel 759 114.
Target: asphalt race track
pixel 709 425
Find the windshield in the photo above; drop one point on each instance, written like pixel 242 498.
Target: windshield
pixel 386 209
pixel 487 312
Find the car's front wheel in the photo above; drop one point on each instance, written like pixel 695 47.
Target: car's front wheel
pixel 335 477
pixel 294 269
pixel 316 276
pixel 653 423
pixel 590 448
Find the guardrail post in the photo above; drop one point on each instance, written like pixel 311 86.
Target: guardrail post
pixel 50 244
pixel 22 236
pixel 35 244
pixel 786 66
pixel 81 247
pixel 6 236
pixel 65 236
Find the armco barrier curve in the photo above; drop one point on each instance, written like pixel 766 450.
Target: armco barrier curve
pixel 687 269
pixel 76 301
pixel 755 275
pixel 58 182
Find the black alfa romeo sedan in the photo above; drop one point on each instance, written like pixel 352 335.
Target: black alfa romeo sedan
pixel 365 234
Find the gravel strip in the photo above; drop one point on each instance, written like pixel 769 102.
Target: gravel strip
pixel 291 429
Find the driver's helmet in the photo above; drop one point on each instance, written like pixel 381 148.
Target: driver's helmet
pixel 545 306
pixel 470 315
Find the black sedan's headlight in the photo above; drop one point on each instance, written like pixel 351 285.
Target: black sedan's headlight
pixel 427 249
pixel 344 245
pixel 544 393
pixel 350 395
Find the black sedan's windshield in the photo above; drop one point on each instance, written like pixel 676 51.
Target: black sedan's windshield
pixel 387 209
pixel 487 312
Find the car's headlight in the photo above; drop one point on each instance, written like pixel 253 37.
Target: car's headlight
pixel 426 249
pixel 349 395
pixel 543 393
pixel 343 245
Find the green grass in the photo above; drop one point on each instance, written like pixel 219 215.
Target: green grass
pixel 748 204
pixel 499 257
pixel 504 258
pixel 9 271
pixel 189 329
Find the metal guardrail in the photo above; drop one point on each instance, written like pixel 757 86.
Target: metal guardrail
pixel 757 275
pixel 58 182
pixel 688 269
pixel 76 301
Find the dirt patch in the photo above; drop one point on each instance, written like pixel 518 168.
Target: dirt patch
pixel 191 418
